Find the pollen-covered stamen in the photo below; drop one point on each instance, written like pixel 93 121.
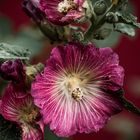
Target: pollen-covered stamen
pixel 77 94
pixel 29 115
pixel 66 5
pixel 73 86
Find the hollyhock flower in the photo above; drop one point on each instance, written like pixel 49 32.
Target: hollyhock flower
pixel 18 106
pixel 62 12
pixel 59 12
pixel 12 70
pixel 77 90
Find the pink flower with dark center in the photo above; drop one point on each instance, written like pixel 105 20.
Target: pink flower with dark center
pixel 77 90
pixel 61 12
pixel 18 106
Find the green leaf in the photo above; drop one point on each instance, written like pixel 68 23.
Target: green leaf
pixel 125 29
pixel 130 107
pixel 9 130
pixel 128 18
pixel 8 52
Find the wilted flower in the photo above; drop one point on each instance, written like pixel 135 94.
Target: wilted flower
pixel 18 106
pixel 59 12
pixel 77 90
pixel 12 70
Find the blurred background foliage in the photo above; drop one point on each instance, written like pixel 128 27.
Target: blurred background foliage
pixel 16 28
pixel 28 37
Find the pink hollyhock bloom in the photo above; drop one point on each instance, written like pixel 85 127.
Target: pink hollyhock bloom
pixel 77 90
pixel 61 12
pixel 18 106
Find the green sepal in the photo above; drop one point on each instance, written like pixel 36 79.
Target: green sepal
pixel 128 18
pixel 102 34
pixel 130 106
pixel 125 29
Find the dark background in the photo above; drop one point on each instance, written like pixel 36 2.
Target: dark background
pixel 124 126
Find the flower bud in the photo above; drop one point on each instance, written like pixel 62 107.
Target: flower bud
pixel 12 70
pixel 33 70
pixel 33 11
pixel 111 17
pixel 102 33
pixel 100 7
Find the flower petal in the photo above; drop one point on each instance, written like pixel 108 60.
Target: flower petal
pixel 95 71
pixel 31 133
pixel 13 102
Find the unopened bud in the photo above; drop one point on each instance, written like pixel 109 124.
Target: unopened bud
pixel 12 70
pixel 102 33
pixel 111 17
pixel 100 7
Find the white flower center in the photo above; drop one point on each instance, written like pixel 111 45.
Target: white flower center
pixel 66 5
pixel 73 86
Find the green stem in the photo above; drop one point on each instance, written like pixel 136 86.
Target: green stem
pixel 98 24
pixel 95 26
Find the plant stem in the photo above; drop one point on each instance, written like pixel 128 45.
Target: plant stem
pixel 98 24
pixel 95 25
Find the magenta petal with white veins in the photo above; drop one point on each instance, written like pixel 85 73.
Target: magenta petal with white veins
pixel 17 106
pixel 76 91
pixel 31 133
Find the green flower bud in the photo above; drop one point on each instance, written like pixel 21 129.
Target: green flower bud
pixel 102 33
pixel 111 17
pixel 100 7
